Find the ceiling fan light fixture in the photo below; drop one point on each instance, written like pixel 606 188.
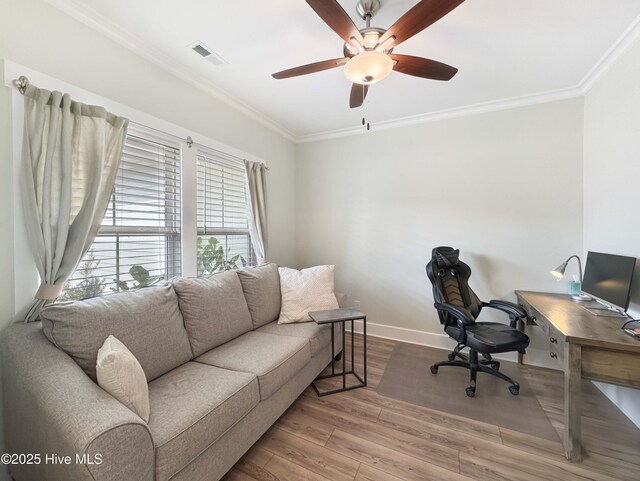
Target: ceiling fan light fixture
pixel 371 39
pixel 368 67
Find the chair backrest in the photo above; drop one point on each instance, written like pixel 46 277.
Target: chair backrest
pixel 450 280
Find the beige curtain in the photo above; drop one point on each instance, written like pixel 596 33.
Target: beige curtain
pixel 70 156
pixel 256 181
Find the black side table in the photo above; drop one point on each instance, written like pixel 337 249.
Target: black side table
pixel 342 316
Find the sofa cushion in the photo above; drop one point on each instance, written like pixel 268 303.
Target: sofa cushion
pixel 214 309
pixel 273 359
pixel 191 407
pixel 261 287
pixel 319 336
pixel 147 321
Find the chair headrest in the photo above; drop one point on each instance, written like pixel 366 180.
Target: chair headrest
pixel 445 256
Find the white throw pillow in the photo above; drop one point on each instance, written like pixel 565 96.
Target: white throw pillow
pixel 121 375
pixel 305 291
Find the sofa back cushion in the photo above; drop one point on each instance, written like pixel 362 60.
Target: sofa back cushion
pixel 261 287
pixel 148 321
pixel 214 309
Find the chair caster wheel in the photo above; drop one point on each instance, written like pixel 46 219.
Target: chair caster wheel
pixel 496 366
pixel 451 357
pixel 434 369
pixel 515 390
pixel 471 391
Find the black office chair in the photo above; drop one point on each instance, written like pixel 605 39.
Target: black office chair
pixel 458 308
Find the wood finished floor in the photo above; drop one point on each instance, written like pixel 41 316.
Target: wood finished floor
pixel 362 436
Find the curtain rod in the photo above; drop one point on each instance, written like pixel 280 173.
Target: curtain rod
pixel 22 82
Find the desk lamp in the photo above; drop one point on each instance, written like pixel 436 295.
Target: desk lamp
pixel 558 272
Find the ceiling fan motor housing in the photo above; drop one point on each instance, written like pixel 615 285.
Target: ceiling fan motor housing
pixel 367 8
pixel 371 36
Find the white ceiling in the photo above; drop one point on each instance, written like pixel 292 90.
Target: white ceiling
pixel 504 49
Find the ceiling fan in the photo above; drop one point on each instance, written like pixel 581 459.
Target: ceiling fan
pixel 368 53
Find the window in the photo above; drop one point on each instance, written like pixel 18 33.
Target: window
pixel 222 217
pixel 138 243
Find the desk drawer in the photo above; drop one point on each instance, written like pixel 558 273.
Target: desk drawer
pixel 556 346
pixel 617 367
pixel 535 317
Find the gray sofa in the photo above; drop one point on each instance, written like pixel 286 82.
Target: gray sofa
pixel 220 372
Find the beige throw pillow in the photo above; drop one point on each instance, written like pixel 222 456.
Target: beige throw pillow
pixel 305 291
pixel 121 375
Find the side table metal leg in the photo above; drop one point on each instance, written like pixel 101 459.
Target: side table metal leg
pixel 353 368
pixel 344 359
pixel 364 349
pixel 333 351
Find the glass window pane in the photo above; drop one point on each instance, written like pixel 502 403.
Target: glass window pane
pixel 222 214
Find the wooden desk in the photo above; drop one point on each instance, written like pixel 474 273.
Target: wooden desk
pixel 585 346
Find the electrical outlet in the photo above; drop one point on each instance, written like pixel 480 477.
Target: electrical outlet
pixel 356 304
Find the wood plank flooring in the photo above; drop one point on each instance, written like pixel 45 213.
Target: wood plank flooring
pixel 362 436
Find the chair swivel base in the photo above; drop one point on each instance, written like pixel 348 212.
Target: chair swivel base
pixel 488 365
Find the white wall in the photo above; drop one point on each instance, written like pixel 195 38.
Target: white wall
pixel 36 35
pixel 611 174
pixel 6 238
pixel 504 187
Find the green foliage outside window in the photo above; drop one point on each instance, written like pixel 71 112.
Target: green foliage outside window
pixel 141 278
pixel 213 258
pixel 89 285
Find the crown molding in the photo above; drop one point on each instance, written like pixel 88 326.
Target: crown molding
pixel 95 21
pixel 91 18
pixel 613 53
pixel 474 109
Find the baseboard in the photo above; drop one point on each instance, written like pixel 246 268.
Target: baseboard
pixel 534 357
pixel 412 336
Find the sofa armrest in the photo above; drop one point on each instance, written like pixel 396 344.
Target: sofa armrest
pixel 52 407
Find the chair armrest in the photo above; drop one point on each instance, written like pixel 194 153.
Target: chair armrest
pixel 515 311
pixel 52 407
pixel 462 315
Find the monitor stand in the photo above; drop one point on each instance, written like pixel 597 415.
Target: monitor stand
pixel 581 297
pixel 605 310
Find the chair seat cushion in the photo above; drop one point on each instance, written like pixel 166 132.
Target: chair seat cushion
pixel 191 407
pixel 273 359
pixel 319 335
pixel 490 337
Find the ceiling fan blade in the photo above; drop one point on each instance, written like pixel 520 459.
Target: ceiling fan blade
pixel 310 68
pixel 358 94
pixel 423 67
pixel 334 15
pixel 418 18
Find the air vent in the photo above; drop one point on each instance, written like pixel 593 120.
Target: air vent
pixel 201 50
pixel 208 54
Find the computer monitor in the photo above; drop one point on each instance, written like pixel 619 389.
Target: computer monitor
pixel 607 277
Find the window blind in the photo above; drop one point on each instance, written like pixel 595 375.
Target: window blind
pixel 222 214
pixel 138 243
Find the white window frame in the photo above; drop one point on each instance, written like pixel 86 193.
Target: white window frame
pixel 25 274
